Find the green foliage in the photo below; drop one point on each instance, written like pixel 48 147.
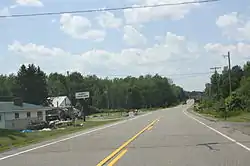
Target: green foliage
pixel 32 85
pixel 129 93
pixel 233 102
pixel 219 99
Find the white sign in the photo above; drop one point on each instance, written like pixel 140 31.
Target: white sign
pixel 82 95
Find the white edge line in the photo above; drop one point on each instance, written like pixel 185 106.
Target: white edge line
pixel 68 138
pixel 218 132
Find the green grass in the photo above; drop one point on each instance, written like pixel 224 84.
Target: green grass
pixel 107 115
pixel 113 114
pixel 11 138
pixel 243 117
pixel 235 116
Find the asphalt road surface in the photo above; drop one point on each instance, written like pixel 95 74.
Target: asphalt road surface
pixel 170 137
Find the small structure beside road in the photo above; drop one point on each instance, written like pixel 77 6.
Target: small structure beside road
pixel 59 101
pixel 17 115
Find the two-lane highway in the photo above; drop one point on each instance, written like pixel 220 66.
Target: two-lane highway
pixel 165 137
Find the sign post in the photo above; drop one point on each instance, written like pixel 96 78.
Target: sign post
pixel 82 96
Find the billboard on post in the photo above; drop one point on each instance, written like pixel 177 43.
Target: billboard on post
pixel 82 95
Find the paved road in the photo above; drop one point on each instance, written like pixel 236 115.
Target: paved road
pixel 175 140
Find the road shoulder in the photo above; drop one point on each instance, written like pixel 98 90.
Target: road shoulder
pixel 229 129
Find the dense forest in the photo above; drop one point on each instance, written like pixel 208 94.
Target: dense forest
pixel 34 86
pixel 218 98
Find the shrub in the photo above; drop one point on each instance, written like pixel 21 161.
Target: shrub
pixel 234 102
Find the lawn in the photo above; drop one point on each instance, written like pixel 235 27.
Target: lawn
pixel 115 114
pixel 108 115
pixel 243 117
pixel 12 139
pixel 234 117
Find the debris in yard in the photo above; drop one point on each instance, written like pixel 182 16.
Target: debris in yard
pixel 26 131
pixel 45 129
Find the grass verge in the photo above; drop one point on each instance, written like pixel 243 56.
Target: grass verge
pixel 10 139
pixel 234 116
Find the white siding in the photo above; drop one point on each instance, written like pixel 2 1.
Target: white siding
pixel 9 116
pixel 23 115
pixel 44 115
pixel 65 102
pixel 2 121
pixel 33 114
pixel 61 101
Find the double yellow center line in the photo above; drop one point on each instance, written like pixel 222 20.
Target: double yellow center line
pixel 122 149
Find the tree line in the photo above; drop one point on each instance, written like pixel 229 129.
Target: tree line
pixel 217 92
pixel 34 86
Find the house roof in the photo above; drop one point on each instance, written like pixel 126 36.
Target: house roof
pixel 9 106
pixel 58 99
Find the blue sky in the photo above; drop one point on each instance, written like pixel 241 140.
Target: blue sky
pixel 171 41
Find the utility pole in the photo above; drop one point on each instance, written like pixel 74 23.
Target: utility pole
pixel 229 72
pixel 107 98
pixel 217 80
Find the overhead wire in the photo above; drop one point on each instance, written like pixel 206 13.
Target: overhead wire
pixel 118 9
pixel 107 9
pixel 167 75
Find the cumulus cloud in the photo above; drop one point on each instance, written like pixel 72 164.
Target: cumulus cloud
pixel 235 26
pixel 96 35
pixel 36 3
pixel 80 28
pixel 167 12
pixel 132 58
pixel 239 51
pixel 133 37
pixel 172 56
pixel 108 20
pixel 74 26
pixel 4 12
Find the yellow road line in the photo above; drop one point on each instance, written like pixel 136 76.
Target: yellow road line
pixel 150 128
pixel 113 162
pixel 124 145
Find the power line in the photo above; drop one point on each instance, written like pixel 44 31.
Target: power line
pixel 109 9
pixel 171 75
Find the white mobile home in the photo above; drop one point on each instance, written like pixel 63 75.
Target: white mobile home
pixel 18 115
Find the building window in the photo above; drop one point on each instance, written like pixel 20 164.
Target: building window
pixel 16 115
pixel 40 115
pixel 0 118
pixel 28 114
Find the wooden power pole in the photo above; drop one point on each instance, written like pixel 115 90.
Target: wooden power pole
pixel 229 72
pixel 217 80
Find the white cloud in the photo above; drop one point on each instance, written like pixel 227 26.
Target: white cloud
pixel 96 35
pixel 235 26
pixel 4 12
pixel 133 37
pixel 239 51
pixel 74 26
pixel 165 58
pixel 36 3
pixel 13 6
pixel 156 13
pixel 79 27
pixel 108 20
pixel 172 56
pixel 33 50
